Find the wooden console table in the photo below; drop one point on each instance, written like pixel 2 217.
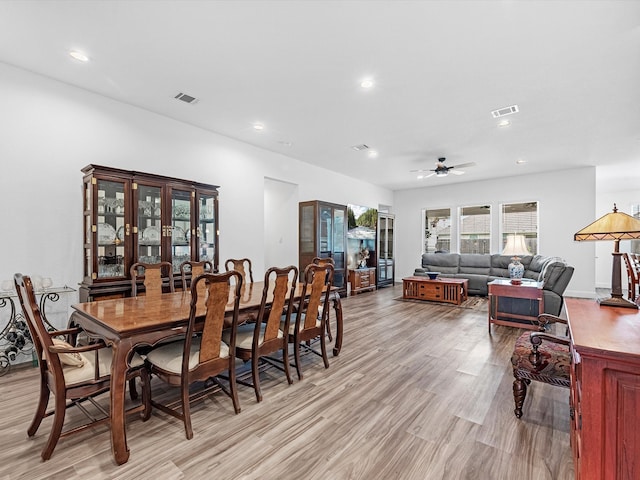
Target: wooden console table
pixel 448 290
pixel 362 280
pixel 605 390
pixel 500 289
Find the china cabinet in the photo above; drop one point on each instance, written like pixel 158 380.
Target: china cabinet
pixel 323 233
pixel 139 217
pixel 385 262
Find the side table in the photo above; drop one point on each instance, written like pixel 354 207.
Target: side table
pixel 528 294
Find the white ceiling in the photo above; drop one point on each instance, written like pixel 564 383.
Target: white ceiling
pixel 440 68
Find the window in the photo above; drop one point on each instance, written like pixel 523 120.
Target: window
pixel 521 219
pixel 475 229
pixel 437 230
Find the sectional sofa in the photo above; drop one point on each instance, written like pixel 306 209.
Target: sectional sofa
pixel 482 269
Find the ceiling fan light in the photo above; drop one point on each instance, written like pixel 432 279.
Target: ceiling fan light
pixel 442 173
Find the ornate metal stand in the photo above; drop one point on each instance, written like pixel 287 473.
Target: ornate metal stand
pixel 15 337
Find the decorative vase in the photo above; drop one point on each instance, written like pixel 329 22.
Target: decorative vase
pixel 516 271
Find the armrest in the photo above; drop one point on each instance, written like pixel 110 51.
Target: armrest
pixel 66 349
pixel 536 341
pixel 545 319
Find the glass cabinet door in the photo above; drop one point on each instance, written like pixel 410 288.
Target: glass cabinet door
pixel 207 228
pixel 111 229
pixel 180 228
pixel 339 247
pixel 149 223
pixel 326 234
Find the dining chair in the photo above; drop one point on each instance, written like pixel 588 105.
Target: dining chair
pixel 203 357
pixel 189 270
pixel 540 356
pixel 325 261
pixel 74 375
pixel 255 341
pixel 311 314
pixel 242 265
pixel 156 278
pixel 632 276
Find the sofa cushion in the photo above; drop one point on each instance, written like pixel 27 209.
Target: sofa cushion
pixel 475 263
pixel 552 271
pixel 441 262
pixel 535 267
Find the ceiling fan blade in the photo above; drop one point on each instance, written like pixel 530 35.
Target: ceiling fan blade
pixel 463 165
pixel 430 175
pixel 421 170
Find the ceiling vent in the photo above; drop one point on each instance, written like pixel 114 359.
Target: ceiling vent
pixel 186 98
pixel 359 148
pixel 501 112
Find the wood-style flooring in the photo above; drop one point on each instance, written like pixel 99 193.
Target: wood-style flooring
pixel 420 391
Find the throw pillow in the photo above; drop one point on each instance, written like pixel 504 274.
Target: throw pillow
pixel 72 358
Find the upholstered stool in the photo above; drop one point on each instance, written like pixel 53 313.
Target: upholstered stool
pixel 542 357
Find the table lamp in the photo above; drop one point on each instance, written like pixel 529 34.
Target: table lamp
pixel 515 247
pixel 614 226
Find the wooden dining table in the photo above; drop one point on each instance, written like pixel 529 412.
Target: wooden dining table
pixel 126 323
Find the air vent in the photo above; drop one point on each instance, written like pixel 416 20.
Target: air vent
pixel 186 98
pixel 501 112
pixel 360 147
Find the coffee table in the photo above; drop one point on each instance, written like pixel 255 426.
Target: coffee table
pixel 500 290
pixel 448 290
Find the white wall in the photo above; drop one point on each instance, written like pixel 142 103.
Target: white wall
pixel 566 204
pixel 280 223
pixel 51 130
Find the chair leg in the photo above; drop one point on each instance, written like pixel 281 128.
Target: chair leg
pixel 519 394
pixel 186 409
pixel 233 386
pixel 255 373
pixel 296 356
pixel 41 410
pixel 56 429
pixel 323 349
pixel 133 393
pixel 285 363
pixel 145 379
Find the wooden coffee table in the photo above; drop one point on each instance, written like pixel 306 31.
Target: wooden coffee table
pixel 448 290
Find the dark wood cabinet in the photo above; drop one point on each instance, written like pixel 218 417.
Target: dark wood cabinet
pixel 385 260
pixel 139 217
pixel 605 390
pixel 323 233
pixel 362 280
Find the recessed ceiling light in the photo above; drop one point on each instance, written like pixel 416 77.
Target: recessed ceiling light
pixel 367 83
pixel 521 162
pixel 81 57
pixel 373 153
pixel 285 143
pixel 504 123
pixel 420 177
pixel 258 126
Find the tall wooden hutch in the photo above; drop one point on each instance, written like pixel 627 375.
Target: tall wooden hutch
pixel 323 233
pixel 139 217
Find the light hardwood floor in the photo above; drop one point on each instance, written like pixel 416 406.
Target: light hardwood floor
pixel 420 391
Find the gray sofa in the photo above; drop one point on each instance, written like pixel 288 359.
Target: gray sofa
pixel 482 269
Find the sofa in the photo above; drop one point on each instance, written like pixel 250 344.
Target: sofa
pixel 482 269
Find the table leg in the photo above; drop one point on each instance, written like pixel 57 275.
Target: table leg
pixel 118 387
pixel 337 306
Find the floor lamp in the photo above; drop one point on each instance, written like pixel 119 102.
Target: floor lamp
pixel 614 226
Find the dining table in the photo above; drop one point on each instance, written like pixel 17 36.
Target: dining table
pixel 130 322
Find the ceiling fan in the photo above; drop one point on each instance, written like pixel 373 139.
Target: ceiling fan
pixel 442 170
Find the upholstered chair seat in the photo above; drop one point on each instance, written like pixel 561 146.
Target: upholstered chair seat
pixel 85 371
pixel 542 357
pixel 168 357
pixel 244 336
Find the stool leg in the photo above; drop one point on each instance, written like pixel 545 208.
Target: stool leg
pixel 519 394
